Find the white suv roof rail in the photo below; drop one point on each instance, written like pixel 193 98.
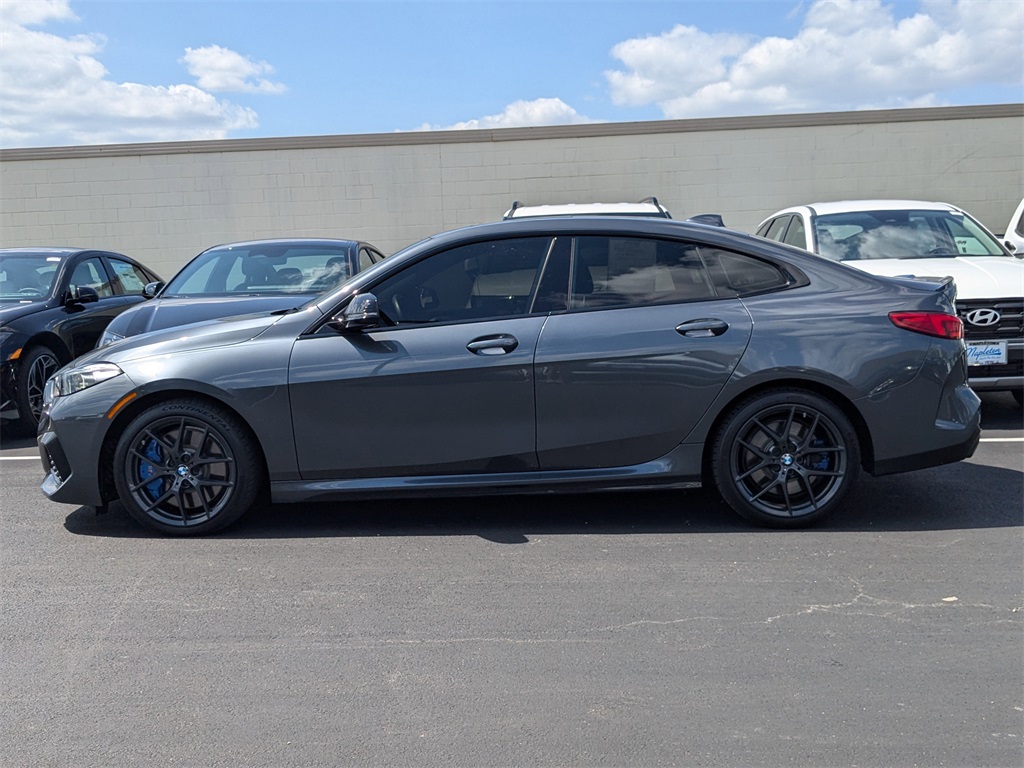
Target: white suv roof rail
pixel 649 206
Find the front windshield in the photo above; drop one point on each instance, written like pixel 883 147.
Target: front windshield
pixel 902 235
pixel 27 276
pixel 264 270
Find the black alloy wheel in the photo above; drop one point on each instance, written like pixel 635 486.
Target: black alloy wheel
pixel 187 467
pixel 38 365
pixel 786 458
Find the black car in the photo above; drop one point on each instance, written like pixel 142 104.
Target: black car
pixel 242 278
pixel 54 304
pixel 535 355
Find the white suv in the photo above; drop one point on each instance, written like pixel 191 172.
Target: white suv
pixel 649 206
pixel 910 238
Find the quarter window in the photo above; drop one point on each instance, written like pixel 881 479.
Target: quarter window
pixel 735 274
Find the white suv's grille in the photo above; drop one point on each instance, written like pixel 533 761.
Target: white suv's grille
pixel 992 318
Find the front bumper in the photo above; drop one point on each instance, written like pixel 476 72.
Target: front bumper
pixel 71 440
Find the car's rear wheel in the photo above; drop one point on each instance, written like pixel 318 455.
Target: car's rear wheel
pixel 785 458
pixel 37 365
pixel 1018 395
pixel 187 467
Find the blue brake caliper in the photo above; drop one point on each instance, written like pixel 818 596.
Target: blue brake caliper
pixel 822 463
pixel 152 451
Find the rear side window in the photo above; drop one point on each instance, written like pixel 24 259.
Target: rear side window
pixel 796 234
pixel 131 278
pixel 777 229
pixel 626 271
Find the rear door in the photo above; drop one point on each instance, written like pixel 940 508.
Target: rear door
pixel 652 334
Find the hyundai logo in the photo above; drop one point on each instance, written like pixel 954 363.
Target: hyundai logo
pixel 984 317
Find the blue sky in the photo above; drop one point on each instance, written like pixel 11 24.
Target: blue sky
pixel 93 71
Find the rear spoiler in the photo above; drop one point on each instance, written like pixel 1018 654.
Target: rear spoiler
pixel 946 285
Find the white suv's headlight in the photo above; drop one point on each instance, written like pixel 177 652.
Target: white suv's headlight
pixel 71 380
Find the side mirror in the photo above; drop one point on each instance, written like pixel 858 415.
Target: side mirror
pixel 360 313
pixel 80 294
pixel 152 289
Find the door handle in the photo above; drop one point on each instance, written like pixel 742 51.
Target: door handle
pixel 501 344
pixel 702 329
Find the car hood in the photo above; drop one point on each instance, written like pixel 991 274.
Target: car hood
pixel 188 338
pixel 12 310
pixel 977 277
pixel 158 314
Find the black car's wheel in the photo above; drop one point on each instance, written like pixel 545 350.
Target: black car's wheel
pixel 1018 395
pixel 785 458
pixel 38 364
pixel 187 467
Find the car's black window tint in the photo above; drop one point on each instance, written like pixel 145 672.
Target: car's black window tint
pixel 90 274
pixel 472 282
pixel 131 279
pixel 797 233
pixel 777 229
pixel 635 271
pixel 736 274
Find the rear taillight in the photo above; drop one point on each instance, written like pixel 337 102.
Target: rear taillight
pixel 929 323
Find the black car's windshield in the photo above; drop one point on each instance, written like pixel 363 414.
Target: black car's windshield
pixel 263 270
pixel 905 234
pixel 27 276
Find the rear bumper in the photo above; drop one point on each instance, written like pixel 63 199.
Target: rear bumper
pixel 945 455
pixel 938 420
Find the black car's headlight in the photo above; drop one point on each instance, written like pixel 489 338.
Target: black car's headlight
pixel 70 380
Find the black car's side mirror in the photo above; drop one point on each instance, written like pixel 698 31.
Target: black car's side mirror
pixel 80 294
pixel 152 289
pixel 360 313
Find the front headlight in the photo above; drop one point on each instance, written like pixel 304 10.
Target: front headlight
pixel 108 337
pixel 70 380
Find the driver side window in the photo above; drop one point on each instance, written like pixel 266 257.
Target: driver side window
pixel 90 274
pixel 472 282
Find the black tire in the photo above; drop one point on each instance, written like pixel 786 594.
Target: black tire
pixel 187 467
pixel 1018 395
pixel 35 367
pixel 785 458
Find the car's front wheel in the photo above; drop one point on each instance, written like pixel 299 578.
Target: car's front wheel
pixel 37 365
pixel 187 467
pixel 785 458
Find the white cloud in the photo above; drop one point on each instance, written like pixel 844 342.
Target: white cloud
pixel 56 91
pixel 849 54
pixel 221 70
pixel 520 114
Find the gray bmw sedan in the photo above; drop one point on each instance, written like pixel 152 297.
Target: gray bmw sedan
pixel 537 355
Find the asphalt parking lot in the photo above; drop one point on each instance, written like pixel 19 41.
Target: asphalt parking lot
pixel 644 629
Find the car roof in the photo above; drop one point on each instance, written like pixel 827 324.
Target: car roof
pixel 857 206
pixel 47 251
pixel 288 240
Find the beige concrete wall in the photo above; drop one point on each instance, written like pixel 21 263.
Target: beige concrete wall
pixel 163 203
